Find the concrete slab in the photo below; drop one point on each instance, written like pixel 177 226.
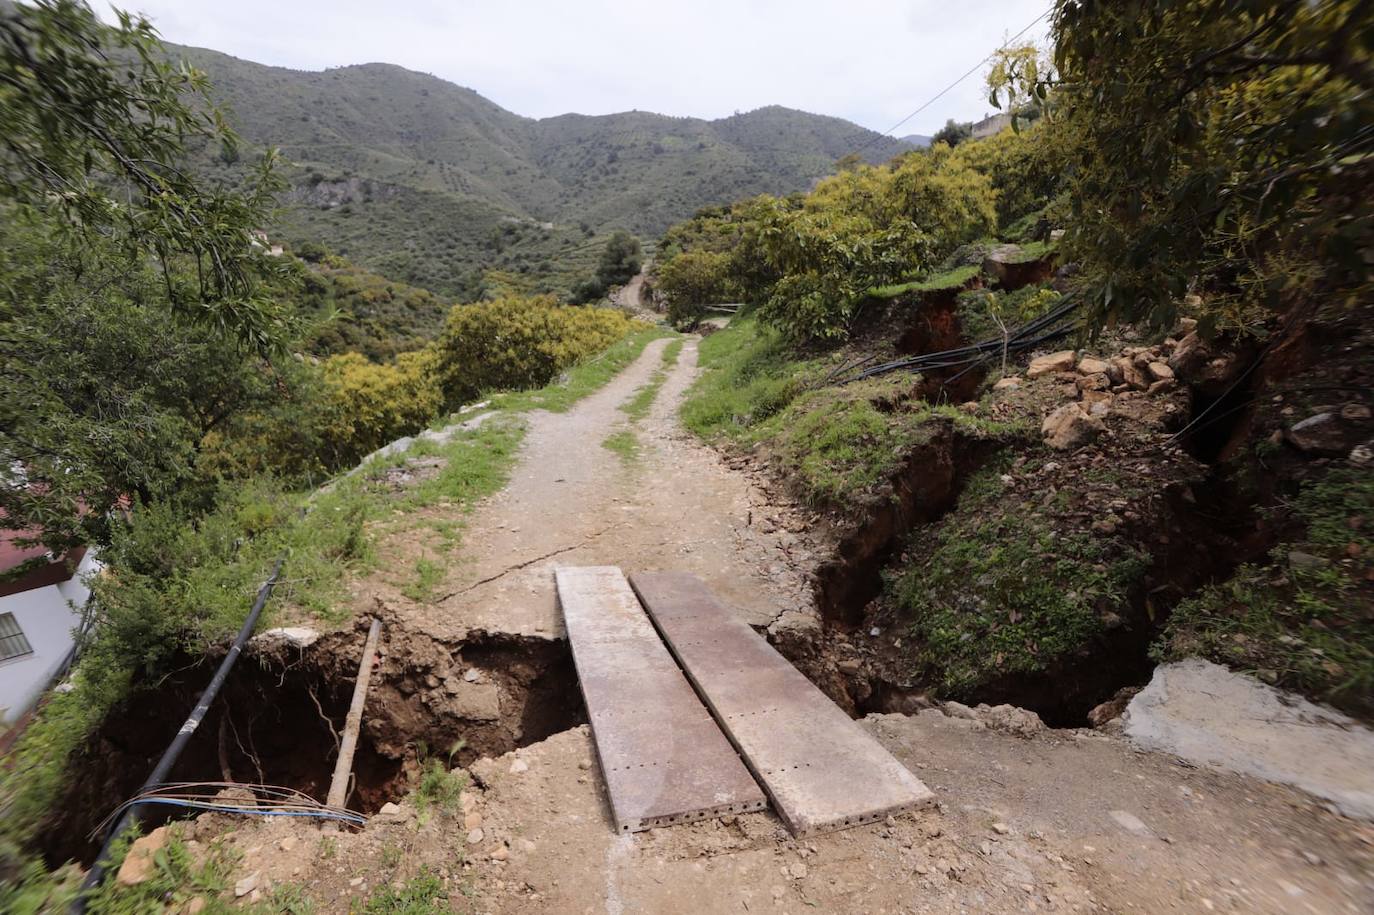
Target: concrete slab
pixel 821 769
pixel 664 759
pixel 1215 717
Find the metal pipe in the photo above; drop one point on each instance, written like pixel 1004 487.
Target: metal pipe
pixel 183 736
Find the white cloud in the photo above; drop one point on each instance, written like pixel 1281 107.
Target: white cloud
pixel 870 61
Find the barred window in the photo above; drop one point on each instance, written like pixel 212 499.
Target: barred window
pixel 13 643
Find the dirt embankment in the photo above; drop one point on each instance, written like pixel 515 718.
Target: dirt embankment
pixel 1030 819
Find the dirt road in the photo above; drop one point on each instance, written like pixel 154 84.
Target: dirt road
pixel 1029 819
pixel 573 501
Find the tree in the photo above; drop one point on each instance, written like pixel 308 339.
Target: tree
pixel 691 280
pixel 1212 146
pixel 136 316
pixel 952 134
pixel 620 260
pixel 96 122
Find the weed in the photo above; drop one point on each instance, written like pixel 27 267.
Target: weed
pixel 424 894
pixel 439 787
pixel 428 574
pixel 391 856
pixel 624 443
pixel 177 878
pixel 328 848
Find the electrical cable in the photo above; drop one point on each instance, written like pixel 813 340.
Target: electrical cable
pixel 936 97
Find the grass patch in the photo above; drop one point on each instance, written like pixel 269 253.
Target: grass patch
pixel 624 443
pixel 424 894
pixel 1300 620
pixel 178 877
pixel 440 788
pixel 639 404
pixel 428 574
pixel 994 591
pixel 950 279
pixel 748 375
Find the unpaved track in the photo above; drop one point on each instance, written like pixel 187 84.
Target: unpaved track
pixel 571 501
pixel 1029 820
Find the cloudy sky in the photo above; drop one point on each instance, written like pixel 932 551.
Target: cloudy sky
pixel 870 61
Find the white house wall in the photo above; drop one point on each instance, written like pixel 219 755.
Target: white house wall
pixel 48 620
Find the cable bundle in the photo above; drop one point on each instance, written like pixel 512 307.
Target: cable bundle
pixel 267 800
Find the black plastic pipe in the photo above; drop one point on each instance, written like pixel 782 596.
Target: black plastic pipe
pixel 173 751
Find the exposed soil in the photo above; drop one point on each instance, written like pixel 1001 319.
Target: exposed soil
pixel 1029 819
pixel 278 718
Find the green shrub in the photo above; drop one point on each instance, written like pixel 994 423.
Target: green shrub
pixel 518 342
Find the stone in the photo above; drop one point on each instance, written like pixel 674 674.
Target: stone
pixel 475 836
pixel 797 870
pixel 1001 828
pixel 294 636
pixel 138 863
pixel 1069 427
pixel 518 766
pixel 1086 383
pixel 471 675
pixel 1318 434
pixel 1130 373
pixel 1160 371
pixel 1362 455
pixel 1001 261
pixel 389 809
pixel 1129 822
pixel 1011 382
pixel 1355 412
pixel 357 881
pixel 526 846
pixel 472 820
pixel 1161 386
pixel 1091 365
pixel 246 885
pixel 289 843
pixel 1300 560
pixel 477 701
pixel 1062 361
pixel 501 853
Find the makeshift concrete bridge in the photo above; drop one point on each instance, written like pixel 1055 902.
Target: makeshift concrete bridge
pixel 695 715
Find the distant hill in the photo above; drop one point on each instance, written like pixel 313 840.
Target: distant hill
pixel 919 140
pixel 432 184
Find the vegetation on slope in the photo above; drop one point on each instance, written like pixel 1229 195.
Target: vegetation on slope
pixel 1300 619
pixel 427 182
pixel 1193 150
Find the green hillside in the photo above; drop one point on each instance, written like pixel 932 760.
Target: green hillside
pixel 432 184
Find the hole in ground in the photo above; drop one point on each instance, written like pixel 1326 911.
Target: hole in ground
pixel 418 703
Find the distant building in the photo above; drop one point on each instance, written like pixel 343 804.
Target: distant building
pixel 258 239
pixel 991 125
pixel 41 600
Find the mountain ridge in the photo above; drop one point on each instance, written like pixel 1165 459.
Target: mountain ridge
pixel 432 183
